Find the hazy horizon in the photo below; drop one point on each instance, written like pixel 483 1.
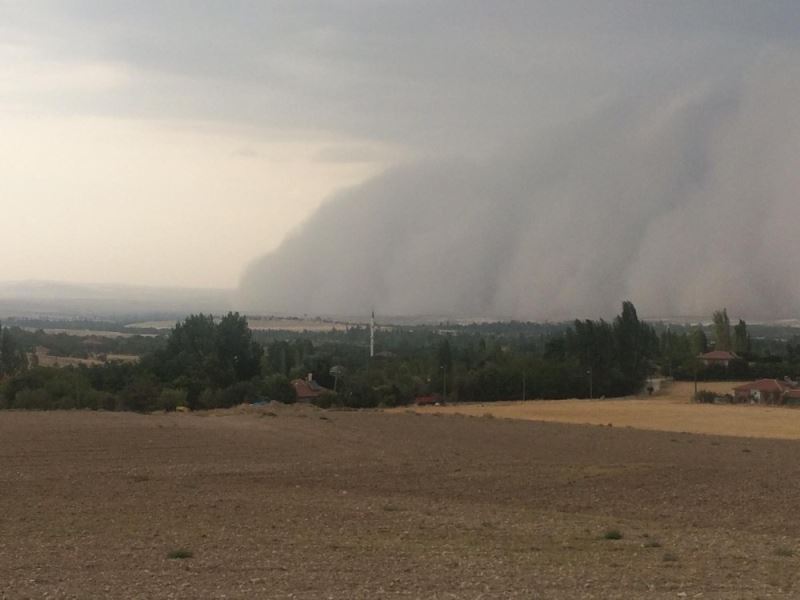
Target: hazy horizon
pixel 531 160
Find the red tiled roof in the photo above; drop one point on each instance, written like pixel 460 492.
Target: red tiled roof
pixel 763 385
pixel 426 400
pixel 307 389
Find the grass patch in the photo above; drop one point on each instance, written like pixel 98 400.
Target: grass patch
pixel 612 534
pixel 652 544
pixel 783 551
pixel 180 554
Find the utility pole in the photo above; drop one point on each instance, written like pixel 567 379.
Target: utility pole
pixel 372 336
pixel 524 394
pixel 669 349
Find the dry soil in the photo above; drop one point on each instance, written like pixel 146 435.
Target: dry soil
pixel 293 502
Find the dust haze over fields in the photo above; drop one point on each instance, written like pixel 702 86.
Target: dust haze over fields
pixel 672 182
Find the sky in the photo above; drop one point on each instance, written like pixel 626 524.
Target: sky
pixel 527 159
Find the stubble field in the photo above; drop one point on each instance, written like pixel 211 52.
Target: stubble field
pixel 293 502
pixel 670 410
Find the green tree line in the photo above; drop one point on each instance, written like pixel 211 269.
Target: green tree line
pixel 205 362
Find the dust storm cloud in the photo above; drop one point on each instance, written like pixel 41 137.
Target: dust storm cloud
pixel 682 201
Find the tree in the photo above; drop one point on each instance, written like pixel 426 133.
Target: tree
pixel 594 343
pixel 201 353
pixel 12 357
pixel 741 338
pixel 635 342
pixel 237 353
pixel 279 358
pixel 722 330
pixel 278 387
pixel 698 341
pixel 444 355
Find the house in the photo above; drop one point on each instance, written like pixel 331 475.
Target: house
pixel 792 397
pixel 720 358
pixel 767 391
pixel 308 389
pixel 431 400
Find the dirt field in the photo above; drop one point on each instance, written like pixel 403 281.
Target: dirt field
pixel 301 503
pixel 669 411
pixel 45 359
pixel 89 332
pixel 279 324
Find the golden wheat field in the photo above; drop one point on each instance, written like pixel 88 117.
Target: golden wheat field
pixel 670 410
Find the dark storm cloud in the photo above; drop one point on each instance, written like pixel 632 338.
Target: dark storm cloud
pixel 439 76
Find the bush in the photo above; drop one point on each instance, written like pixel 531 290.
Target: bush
pixel 34 400
pixel 326 400
pixel 208 399
pixel 238 393
pixel 170 399
pixel 278 387
pixel 705 397
pixel 96 400
pixel 612 534
pixel 141 395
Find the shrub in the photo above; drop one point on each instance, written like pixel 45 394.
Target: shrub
pixel 180 554
pixel 97 400
pixel 238 393
pixel 141 394
pixel 170 399
pixel 705 397
pixel 326 400
pixel 278 387
pixel 34 400
pixel 612 534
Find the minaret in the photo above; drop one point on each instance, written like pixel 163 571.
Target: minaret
pixel 372 336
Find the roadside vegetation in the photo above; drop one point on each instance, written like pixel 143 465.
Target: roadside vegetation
pixel 206 362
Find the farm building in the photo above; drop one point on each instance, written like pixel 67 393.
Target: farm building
pixel 720 358
pixel 767 391
pixel 308 389
pixel 433 399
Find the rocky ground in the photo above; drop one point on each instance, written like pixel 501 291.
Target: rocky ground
pixel 294 502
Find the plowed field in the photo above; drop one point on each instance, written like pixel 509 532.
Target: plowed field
pixel 293 502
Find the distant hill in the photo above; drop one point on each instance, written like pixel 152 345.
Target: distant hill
pixel 65 300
